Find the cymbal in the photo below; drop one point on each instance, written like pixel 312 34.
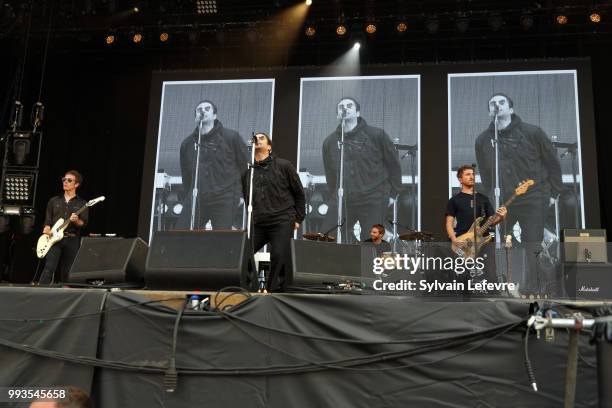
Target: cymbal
pixel 317 236
pixel 417 236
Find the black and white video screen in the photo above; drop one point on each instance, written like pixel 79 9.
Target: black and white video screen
pixel 376 120
pixel 528 120
pixel 202 151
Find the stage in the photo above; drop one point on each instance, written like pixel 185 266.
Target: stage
pixel 290 350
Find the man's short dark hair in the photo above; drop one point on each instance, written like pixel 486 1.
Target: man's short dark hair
pixel 207 101
pixel 380 228
pixel 509 99
pixel 463 168
pixel 350 98
pixel 266 135
pixel 77 398
pixel 77 176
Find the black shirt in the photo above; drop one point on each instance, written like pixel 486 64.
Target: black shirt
pixel 57 208
pixel 278 195
pixel 384 246
pixel 460 207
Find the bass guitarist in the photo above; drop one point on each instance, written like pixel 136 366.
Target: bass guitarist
pixel 460 215
pixel 64 206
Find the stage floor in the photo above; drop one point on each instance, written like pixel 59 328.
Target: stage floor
pixel 287 350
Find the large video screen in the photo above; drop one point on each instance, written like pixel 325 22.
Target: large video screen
pixel 202 151
pixel 376 120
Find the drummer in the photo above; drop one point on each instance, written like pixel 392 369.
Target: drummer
pixel 377 232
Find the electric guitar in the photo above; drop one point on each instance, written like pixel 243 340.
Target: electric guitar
pixel 469 250
pixel 45 242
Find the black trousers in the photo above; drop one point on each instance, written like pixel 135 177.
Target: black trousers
pixel 62 254
pixel 218 209
pixel 531 217
pixel 278 235
pixel 368 209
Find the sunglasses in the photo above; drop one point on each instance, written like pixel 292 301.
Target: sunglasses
pixel 68 180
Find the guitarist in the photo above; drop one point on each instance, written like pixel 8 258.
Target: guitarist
pixel 64 206
pixel 460 208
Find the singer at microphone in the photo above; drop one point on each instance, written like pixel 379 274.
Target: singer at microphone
pixel 372 173
pixel 525 152
pixel 222 158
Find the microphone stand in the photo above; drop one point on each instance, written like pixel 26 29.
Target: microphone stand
pixel 250 202
pixel 341 184
pixel 497 189
pixel 194 191
pixel 476 226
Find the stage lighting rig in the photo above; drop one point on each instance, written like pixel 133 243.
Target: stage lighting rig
pixel 164 37
pixel 110 39
pixel 594 16
pixel 310 31
pixel 341 27
pixel 432 25
pixel 561 19
pixel 527 20
pixel 401 27
pixel 206 6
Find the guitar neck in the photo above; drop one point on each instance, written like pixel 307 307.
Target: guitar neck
pixel 67 222
pixel 491 219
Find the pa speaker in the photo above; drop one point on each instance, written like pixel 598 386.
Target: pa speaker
pixel 187 260
pixel 109 260
pixel 318 263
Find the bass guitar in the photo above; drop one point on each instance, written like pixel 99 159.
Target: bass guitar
pixel 468 249
pixel 46 241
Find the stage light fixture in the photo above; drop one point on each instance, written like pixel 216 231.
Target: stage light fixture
pixel 496 22
pixel 357 45
pixel 561 19
pixel 109 39
pixel 309 2
pixel 527 21
pixel 17 188
pixel 136 9
pixel 401 27
pixel 462 23
pixel 370 28
pixel 594 17
pixel 341 30
pixel 164 37
pixel 432 25
pixel 310 31
pixel 137 38
pixel 322 209
pixel 206 6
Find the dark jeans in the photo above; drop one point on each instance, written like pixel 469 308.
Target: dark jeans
pixel 62 254
pixel 368 209
pixel 218 209
pixel 278 235
pixel 531 217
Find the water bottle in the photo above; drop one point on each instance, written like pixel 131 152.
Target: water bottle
pixel 194 302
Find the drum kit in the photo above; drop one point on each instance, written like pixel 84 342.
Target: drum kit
pixel 410 236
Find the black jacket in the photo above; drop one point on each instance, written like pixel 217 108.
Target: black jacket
pixel 57 208
pixel 371 163
pixel 277 191
pixel 223 159
pixel 525 152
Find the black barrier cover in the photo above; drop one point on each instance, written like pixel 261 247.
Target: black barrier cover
pixel 62 334
pixel 253 366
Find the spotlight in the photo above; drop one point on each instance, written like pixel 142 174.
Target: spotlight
pixel 594 17
pixel 357 45
pixel 136 10
pixel 164 37
pixel 110 39
pixel 496 22
pixel 322 209
pixel 462 23
pixel 341 30
pixel 310 31
pixel 432 25
pixel 401 27
pixel 17 188
pixel 136 38
pixel 561 19
pixel 206 6
pixel 370 28
pixel 527 21
pixel 308 2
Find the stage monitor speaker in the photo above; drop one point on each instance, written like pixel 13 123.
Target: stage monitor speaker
pixel 591 281
pixel 319 264
pixel 585 245
pixel 109 260
pixel 188 260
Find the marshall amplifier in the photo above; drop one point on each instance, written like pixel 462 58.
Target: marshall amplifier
pixel 590 281
pixel 585 245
